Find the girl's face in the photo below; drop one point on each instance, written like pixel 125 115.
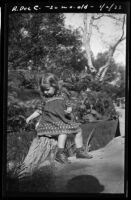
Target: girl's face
pixel 50 91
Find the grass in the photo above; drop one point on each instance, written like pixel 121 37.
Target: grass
pixel 40 181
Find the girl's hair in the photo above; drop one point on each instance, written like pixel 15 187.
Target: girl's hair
pixel 48 80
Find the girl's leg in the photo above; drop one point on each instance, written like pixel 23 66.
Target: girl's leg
pixel 79 139
pixel 61 141
pixel 79 146
pixel 60 155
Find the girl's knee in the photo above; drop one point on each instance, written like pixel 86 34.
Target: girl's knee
pixel 79 132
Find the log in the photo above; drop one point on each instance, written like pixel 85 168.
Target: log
pixel 95 135
pixel 99 134
pixel 41 150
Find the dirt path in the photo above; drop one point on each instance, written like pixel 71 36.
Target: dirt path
pixel 104 173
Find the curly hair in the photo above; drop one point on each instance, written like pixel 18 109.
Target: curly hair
pixel 48 80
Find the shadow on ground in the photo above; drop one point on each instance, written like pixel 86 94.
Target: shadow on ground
pixel 84 184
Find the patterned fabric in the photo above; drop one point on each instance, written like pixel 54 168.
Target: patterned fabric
pixel 54 120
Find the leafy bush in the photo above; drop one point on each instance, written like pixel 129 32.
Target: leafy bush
pixel 97 101
pixel 18 144
pixel 16 117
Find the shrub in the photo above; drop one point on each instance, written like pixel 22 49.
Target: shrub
pixel 99 101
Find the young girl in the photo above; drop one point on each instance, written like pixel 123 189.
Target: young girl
pixel 55 120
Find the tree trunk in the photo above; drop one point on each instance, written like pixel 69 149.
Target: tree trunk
pixel 102 70
pixel 86 40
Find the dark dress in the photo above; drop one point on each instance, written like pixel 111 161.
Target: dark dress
pixel 54 120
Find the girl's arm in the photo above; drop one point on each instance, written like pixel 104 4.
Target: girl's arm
pixel 34 115
pixel 68 110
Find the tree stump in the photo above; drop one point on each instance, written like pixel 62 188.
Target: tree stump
pixel 42 149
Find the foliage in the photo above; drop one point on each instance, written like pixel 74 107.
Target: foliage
pixel 41 181
pixel 41 41
pixel 18 144
pixel 98 101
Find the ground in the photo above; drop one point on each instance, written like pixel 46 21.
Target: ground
pixel 104 173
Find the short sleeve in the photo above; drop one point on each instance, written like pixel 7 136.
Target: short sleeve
pixel 67 101
pixel 40 105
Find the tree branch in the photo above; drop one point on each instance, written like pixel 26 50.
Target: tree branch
pixel 81 29
pixel 96 18
pixel 113 17
pixel 96 27
pixel 86 40
pixel 123 27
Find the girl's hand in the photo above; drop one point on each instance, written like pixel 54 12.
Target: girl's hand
pixel 69 110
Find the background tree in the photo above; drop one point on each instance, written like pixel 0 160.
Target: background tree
pixel 89 24
pixel 43 40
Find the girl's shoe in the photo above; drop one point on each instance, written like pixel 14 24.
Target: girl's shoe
pixel 61 158
pixel 80 153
